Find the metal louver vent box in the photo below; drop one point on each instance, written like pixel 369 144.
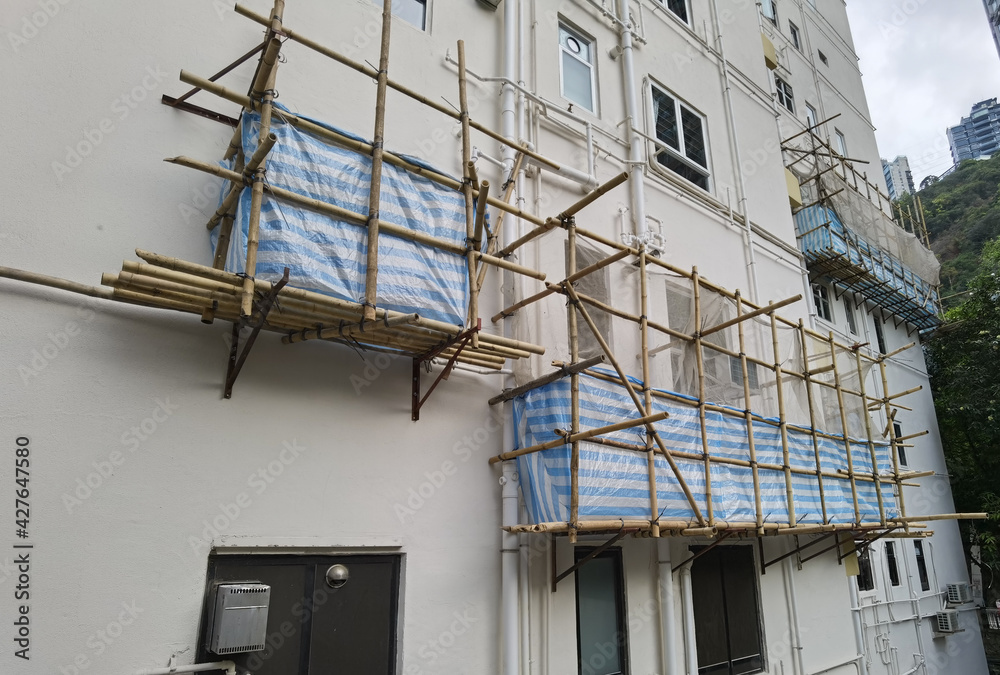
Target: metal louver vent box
pixel 238 618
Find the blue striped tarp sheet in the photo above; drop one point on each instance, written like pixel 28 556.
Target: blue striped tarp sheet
pixel 822 235
pixel 329 256
pixel 614 482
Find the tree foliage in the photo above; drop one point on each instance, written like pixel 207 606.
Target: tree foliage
pixel 964 363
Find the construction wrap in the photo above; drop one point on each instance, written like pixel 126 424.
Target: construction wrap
pixel 841 253
pixel 329 256
pixel 614 482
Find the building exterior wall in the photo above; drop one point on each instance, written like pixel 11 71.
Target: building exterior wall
pixel 978 136
pixel 140 469
pixel 993 14
pixel 898 177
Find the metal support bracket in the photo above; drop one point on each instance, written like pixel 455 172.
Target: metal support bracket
pixel 182 104
pixel 238 358
pixel 460 342
pixel 797 550
pixel 703 551
pixel 590 556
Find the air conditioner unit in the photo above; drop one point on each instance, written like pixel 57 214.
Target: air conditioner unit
pixel 237 620
pixel 947 621
pixel 959 594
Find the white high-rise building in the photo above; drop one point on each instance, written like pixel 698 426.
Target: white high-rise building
pixel 205 466
pixel 898 177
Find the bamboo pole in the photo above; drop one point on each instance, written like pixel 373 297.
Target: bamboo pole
pixel 565 369
pixel 356 219
pixel 894 442
pixel 491 245
pixel 771 307
pixel 650 429
pixel 783 421
pixel 54 282
pixel 226 229
pixel 481 205
pixel 751 441
pixel 845 428
pixel 812 419
pixel 702 422
pixel 647 394
pixel 471 249
pixel 574 387
pixel 871 441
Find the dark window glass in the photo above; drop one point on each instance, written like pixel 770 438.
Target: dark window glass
pixel 866 580
pixel 785 95
pixel 602 639
pixel 726 612
pixel 793 30
pixel 821 298
pixel 890 559
pixel 686 136
pixel 694 138
pixel 679 7
pixel 900 450
pixel 666 119
pixel 880 336
pixel 918 549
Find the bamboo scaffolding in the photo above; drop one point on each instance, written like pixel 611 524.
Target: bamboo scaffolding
pixel 574 347
pixel 647 392
pixel 845 428
pixel 470 204
pixel 894 442
pixel 375 186
pixel 564 371
pixel 702 423
pixel 751 441
pixel 491 244
pixel 869 439
pixel 804 341
pixel 783 421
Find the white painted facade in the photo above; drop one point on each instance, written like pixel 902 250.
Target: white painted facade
pixel 139 468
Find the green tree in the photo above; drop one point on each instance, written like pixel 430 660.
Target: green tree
pixel 964 363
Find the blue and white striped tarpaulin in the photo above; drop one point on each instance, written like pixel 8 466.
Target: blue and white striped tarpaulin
pixel 329 256
pixel 824 238
pixel 614 482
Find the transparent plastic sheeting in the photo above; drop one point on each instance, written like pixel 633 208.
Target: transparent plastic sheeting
pixel 822 234
pixel 329 256
pixel 614 483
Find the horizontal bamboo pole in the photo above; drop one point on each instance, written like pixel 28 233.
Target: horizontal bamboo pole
pixel 349 143
pixel 680 527
pixel 581 436
pixel 564 371
pixel 55 282
pixel 771 306
pixel 359 220
pixel 351 330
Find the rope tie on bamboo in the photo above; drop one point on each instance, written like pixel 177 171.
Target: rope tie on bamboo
pixel 378 145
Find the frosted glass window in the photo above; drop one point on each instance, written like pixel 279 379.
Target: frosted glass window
pixel 602 642
pixel 411 11
pixel 576 54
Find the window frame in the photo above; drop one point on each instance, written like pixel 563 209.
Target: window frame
pixel 812 116
pixel 621 607
pixel 822 57
pixel 577 34
pixel 687 10
pixel 841 141
pixel 852 320
pixel 866 574
pixel 427 14
pixel 680 153
pixel 923 574
pixel 892 564
pixel 897 430
pixel 795 35
pixel 821 301
pixel 785 94
pixel 599 280
pixel 769 6
pixel 880 340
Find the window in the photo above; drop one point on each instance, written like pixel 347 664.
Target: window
pixel 678 7
pixel 682 130
pixel 880 335
pixel 793 31
pixel 769 10
pixel 576 70
pixel 897 429
pixel 736 373
pixel 918 550
pixel 866 580
pixel 890 561
pixel 594 285
pixel 841 142
pixel 727 612
pixel 822 57
pixel 411 11
pixel 821 298
pixel 785 96
pixel 601 620
pixel 812 119
pixel 852 323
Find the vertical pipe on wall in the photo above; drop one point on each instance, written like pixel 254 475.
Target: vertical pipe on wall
pixel 636 186
pixel 668 618
pixel 859 627
pixel 794 632
pixel 687 603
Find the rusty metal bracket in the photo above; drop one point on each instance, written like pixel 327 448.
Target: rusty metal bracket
pixel 702 552
pixel 797 550
pixel 460 342
pixel 263 309
pixel 590 556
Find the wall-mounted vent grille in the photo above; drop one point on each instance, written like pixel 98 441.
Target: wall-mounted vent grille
pixel 959 594
pixel 238 620
pixel 947 621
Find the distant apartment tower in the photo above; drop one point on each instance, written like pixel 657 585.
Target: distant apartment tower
pixel 993 12
pixel 898 176
pixel 978 136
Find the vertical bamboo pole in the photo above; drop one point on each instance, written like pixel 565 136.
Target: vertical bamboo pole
pixel 758 508
pixel 375 191
pixel 812 416
pixel 648 392
pixel 463 102
pixel 844 428
pixel 868 434
pixel 779 388
pixel 700 359
pixel 748 413
pixel 574 351
pixel 226 228
pixel 895 442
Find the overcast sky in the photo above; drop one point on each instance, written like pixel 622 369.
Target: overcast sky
pixel 925 63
